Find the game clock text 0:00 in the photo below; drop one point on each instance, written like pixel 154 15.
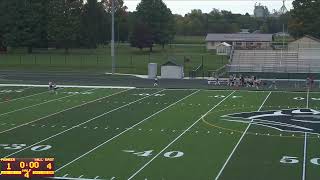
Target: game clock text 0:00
pixel 27 167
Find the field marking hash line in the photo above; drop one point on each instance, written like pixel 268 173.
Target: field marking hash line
pixel 25 97
pixel 15 90
pixel 244 133
pixel 96 117
pixel 44 117
pixel 52 100
pixel 139 170
pixel 27 107
pixel 102 144
pixel 304 156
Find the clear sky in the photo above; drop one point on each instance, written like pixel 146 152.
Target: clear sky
pixel 241 6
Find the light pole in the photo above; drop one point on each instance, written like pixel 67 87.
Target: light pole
pixel 112 39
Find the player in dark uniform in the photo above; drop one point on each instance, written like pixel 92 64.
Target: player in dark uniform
pixel 55 88
pixel 155 82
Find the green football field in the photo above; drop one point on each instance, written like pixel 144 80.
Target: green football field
pixel 164 134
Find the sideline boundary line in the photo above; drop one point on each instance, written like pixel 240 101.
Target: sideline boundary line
pixel 130 87
pixel 53 114
pixel 244 133
pixel 102 144
pixel 67 86
pixel 80 124
pixel 177 138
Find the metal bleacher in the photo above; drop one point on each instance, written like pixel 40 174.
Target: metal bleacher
pixel 286 61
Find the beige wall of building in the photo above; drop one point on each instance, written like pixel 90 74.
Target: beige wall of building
pixel 304 42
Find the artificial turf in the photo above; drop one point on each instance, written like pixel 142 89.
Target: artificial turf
pixel 158 133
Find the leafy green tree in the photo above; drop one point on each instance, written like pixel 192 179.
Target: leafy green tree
pixel 91 23
pixel 305 18
pixel 3 24
pixel 64 22
pixel 23 23
pixel 141 36
pixel 121 19
pixel 156 15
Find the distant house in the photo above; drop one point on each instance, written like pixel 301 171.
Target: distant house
pixel 306 42
pixel 223 49
pixel 240 40
pixel 171 70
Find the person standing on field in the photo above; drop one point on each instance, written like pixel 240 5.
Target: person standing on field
pixel 155 82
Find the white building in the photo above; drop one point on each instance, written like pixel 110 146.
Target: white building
pixel 240 40
pixel 223 49
pixel 171 70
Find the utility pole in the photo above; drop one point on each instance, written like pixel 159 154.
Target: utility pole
pixel 112 39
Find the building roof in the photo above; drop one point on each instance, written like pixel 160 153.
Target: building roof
pixel 306 36
pixel 282 34
pixel 224 44
pixel 312 37
pixel 170 63
pixel 240 37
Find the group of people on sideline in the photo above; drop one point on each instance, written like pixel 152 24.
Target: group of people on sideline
pixel 238 81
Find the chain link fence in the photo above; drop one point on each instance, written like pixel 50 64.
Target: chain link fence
pixel 130 64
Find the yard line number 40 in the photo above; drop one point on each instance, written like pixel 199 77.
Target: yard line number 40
pixel 295 160
pixel 169 154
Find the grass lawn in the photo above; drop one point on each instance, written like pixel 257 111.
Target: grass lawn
pixel 164 134
pixel 128 59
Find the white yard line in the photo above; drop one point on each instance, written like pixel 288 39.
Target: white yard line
pixel 236 147
pixel 80 124
pixel 67 86
pixel 63 111
pixel 10 112
pixel 308 98
pixel 102 144
pixel 69 178
pixel 24 97
pixel 132 176
pixel 305 145
pixel 304 156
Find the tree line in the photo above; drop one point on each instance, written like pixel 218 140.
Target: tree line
pixel 303 19
pixel 198 23
pixel 78 23
pixel 59 23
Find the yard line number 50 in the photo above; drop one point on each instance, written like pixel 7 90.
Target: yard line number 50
pixel 20 146
pixel 295 160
